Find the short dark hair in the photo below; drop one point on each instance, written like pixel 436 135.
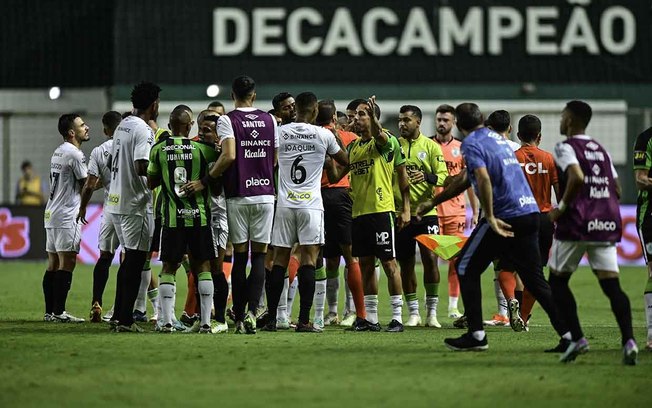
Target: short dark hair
pixel 25 164
pixel 326 112
pixel 341 114
pixel 305 101
pixel 215 104
pixel 144 95
pixel 243 87
pixel 280 97
pixel 499 121
pixel 207 114
pixel 353 105
pixel 581 112
pixel 366 102
pixel 411 108
pixel 183 107
pixel 445 108
pixel 66 122
pixel 126 114
pixel 529 127
pixel 468 116
pixel 111 120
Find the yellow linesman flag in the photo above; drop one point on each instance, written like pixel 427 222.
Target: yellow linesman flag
pixel 444 246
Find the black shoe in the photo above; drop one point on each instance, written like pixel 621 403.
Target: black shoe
pixel 394 326
pixel 139 316
pixel 263 319
pixel 306 328
pixel 467 342
pixel 359 325
pixel 461 323
pixel 230 314
pixel 270 326
pixel 374 327
pixel 559 348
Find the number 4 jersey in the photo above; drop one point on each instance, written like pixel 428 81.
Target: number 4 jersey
pixel 301 154
pixel 67 168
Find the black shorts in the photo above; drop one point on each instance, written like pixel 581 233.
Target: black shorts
pixel 337 220
pixel 405 242
pixel 645 235
pixel 373 235
pixel 546 232
pixel 156 238
pixel 195 241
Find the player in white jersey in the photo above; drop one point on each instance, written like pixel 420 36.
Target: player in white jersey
pixel 299 210
pixel 130 201
pixel 63 233
pixel 99 175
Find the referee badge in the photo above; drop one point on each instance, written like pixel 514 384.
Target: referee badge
pixel 455 151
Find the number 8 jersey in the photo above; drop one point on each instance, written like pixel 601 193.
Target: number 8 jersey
pixel 67 167
pixel 301 154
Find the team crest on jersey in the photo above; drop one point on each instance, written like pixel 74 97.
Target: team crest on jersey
pixel 106 153
pixel 455 152
pixel 254 133
pixel 596 169
pixel 592 146
pixel 251 116
pixel 422 155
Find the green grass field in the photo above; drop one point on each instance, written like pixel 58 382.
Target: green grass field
pixel 47 364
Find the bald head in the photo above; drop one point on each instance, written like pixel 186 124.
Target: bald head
pixel 180 121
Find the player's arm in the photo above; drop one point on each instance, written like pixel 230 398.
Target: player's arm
pixel 642 162
pixel 86 194
pixel 575 178
pixel 453 186
pixel 404 186
pixel 485 195
pixel 334 172
pixel 475 207
pixel 153 169
pixel 643 182
pixel 379 135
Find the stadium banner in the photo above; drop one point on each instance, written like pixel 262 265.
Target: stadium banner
pixel 300 41
pixel 22 235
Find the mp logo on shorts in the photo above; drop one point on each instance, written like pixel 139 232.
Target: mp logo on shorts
pixel 382 238
pixel 433 229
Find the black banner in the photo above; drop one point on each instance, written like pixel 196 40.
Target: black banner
pixel 382 41
pixel 22 235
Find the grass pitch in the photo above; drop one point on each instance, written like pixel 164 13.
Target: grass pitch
pixel 47 364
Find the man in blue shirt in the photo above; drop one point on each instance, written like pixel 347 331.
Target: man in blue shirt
pixel 509 229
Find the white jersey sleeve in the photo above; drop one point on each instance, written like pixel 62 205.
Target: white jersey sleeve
pixel 143 141
pixel 93 165
pixel 225 128
pixel 67 169
pixel 332 147
pixel 564 155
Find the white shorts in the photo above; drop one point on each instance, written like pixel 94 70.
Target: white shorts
pixel 250 222
pixel 566 255
pixel 302 225
pixel 134 231
pixel 63 239
pixel 108 239
pixel 220 227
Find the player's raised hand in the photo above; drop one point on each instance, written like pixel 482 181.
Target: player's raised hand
pixel 500 227
pixel 376 127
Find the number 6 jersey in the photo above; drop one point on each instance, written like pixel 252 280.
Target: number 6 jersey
pixel 301 154
pixel 67 167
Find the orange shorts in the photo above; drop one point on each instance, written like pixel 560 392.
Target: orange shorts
pixel 452 225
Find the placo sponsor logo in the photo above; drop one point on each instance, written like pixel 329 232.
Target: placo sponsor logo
pixel 600 225
pixel 254 182
pixel 526 200
pixel 299 196
pixel 113 199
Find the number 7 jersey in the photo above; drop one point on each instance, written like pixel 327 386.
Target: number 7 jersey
pixel 301 154
pixel 67 168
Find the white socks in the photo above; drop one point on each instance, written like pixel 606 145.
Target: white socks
pixel 319 300
pixel 397 307
pixel 431 305
pixel 141 300
pixel 205 289
pixel 452 302
pixel 167 293
pixel 152 295
pixel 500 298
pixel 413 306
pixel 282 311
pixel 371 305
pixel 292 291
pixel 332 292
pixel 478 335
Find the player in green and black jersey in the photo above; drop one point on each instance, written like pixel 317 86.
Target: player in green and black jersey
pixel 643 175
pixel 186 226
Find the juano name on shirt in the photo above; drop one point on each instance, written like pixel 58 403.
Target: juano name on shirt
pixel 361 167
pixel 179 156
pixel 253 124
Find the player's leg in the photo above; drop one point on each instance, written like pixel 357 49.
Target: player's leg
pixel 363 248
pixel 604 263
pixel 50 273
pixel 173 246
pixel 319 300
pixel 108 243
pixel 453 226
pixel 137 230
pixel 405 255
pixel 261 218
pixel 140 305
pixel 332 288
pixel 431 277
pixel 283 238
pixel 67 242
pixel 220 232
pixel 477 253
pixel 645 235
pixel 564 260
pixel 354 284
pixel 386 253
pixel 546 231
pixel 239 236
pixel 203 249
